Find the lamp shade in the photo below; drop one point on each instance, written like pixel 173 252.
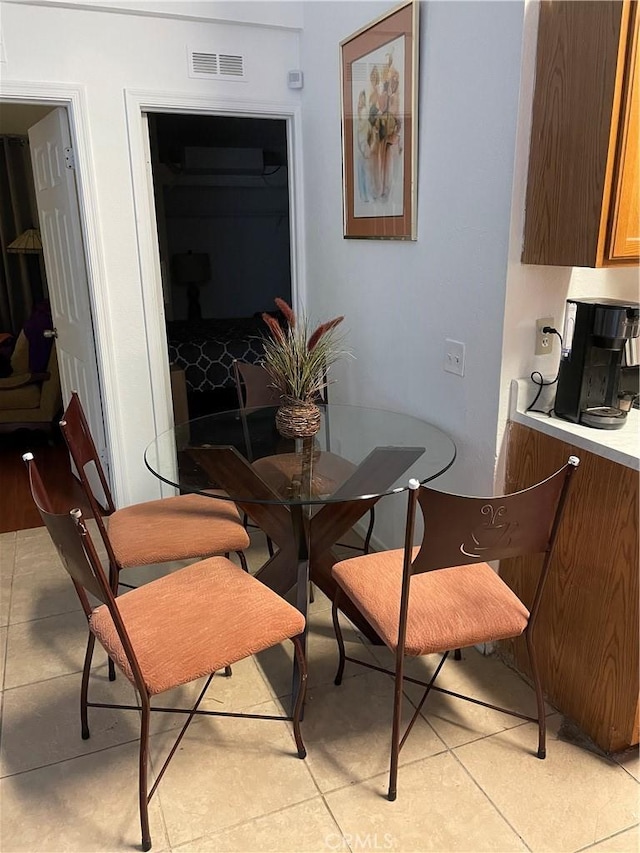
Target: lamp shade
pixel 191 268
pixel 28 243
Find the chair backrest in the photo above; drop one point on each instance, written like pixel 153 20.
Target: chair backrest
pixel 255 391
pixel 79 557
pixel 76 433
pixel 254 387
pixel 461 530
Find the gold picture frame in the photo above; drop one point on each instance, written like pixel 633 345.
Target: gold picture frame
pixel 379 81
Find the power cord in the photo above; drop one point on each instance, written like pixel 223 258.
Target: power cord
pixel 538 379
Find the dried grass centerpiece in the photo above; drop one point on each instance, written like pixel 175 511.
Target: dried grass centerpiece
pixel 297 361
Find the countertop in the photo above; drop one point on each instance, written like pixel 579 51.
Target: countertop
pixel 619 445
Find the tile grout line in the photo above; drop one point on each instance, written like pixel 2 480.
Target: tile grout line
pixel 484 793
pixel 70 758
pixel 242 823
pixel 608 838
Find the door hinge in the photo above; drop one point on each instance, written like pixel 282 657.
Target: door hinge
pixel 69 158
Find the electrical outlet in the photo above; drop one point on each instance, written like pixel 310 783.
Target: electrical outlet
pixel 544 340
pixel 454 357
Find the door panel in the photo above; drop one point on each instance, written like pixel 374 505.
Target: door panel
pixel 61 231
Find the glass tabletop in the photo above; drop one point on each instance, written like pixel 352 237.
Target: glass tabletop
pixel 358 453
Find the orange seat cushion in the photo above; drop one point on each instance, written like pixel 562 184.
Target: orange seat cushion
pixel 448 608
pixel 178 528
pixel 195 621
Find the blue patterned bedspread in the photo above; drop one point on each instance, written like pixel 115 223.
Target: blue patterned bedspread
pixel 206 349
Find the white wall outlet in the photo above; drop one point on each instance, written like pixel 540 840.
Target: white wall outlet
pixel 544 340
pixel 454 357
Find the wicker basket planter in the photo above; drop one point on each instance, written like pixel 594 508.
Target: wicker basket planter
pixel 297 419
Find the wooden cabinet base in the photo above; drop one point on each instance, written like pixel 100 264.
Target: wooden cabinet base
pixel 587 631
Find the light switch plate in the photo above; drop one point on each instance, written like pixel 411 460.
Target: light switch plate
pixel 454 357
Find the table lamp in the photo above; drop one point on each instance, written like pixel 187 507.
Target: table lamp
pixel 192 270
pixel 27 243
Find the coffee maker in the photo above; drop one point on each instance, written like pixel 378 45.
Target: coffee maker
pixel 596 378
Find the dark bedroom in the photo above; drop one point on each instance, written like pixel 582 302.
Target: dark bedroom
pixel 221 187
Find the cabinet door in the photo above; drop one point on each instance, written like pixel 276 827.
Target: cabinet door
pixel 625 222
pixel 582 191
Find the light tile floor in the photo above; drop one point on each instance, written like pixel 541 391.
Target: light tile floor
pixel 468 780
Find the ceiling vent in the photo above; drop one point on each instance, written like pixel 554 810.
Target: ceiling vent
pixel 217 66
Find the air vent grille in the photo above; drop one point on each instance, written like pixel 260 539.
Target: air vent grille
pixel 232 66
pixel 204 63
pixel 223 66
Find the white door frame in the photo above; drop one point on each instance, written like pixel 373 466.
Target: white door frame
pixel 138 103
pixel 73 99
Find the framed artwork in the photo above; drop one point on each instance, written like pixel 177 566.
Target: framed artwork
pixel 379 78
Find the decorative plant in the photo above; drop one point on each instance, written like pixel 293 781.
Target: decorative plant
pixel 296 359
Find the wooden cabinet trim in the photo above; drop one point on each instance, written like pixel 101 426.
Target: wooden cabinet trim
pixel 623 223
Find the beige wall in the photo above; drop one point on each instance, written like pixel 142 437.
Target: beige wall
pixel 16 119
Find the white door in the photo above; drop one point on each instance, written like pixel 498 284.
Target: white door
pixel 64 260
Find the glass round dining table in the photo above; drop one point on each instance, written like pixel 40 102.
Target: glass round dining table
pixel 305 494
pixel 386 447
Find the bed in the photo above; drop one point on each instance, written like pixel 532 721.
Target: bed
pixel 206 349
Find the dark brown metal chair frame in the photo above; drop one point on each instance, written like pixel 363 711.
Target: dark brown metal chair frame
pixel 79 557
pixel 77 435
pixel 81 446
pixel 529 521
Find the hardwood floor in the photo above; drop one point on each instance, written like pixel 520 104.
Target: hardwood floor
pixel 17 510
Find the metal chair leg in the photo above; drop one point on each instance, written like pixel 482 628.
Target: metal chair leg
pixel 302 689
pixel 245 524
pixel 113 583
pixel 84 690
pixel 336 625
pixel 143 770
pixel 542 720
pixel 243 560
pixel 367 538
pixel 395 731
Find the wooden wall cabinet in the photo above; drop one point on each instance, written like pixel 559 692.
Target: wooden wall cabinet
pixel 587 630
pixel 582 189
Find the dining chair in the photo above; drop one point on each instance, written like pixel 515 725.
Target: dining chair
pixel 255 391
pixel 159 531
pixel 171 631
pixel 442 595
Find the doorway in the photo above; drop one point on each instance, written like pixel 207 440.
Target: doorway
pixel 221 191
pixel 54 214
